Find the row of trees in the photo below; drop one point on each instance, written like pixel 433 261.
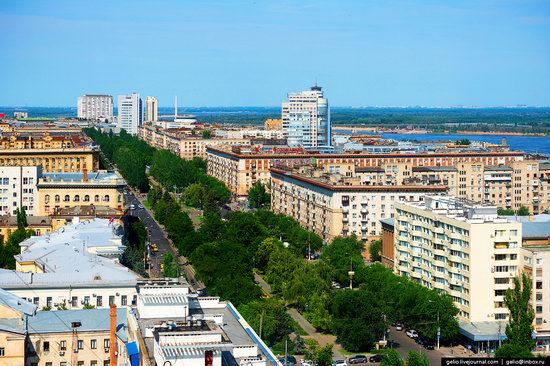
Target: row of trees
pixel 522 211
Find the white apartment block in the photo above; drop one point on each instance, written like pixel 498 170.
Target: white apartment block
pixel 151 109
pixel 306 118
pixel 95 107
pixel 18 189
pixel 332 206
pixel 460 249
pixel 129 113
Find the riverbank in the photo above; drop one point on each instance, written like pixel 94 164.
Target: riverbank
pixel 375 130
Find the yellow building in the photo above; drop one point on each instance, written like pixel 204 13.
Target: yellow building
pixel 42 225
pixel 273 124
pixel 65 190
pixel 54 159
pixel 13 311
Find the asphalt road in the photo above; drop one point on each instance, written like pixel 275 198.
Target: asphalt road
pixel 407 344
pixel 158 236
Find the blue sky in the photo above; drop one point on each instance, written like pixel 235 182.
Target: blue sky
pixel 251 53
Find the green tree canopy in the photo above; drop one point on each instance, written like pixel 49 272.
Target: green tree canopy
pixel 258 196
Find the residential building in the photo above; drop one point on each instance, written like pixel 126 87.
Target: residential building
pixel 387 255
pixel 65 190
pixel 462 249
pixel 183 142
pixel 273 124
pixel 176 327
pixel 73 266
pixel 20 115
pixel 43 138
pixel 95 107
pixel 333 204
pixel 42 225
pixel 251 133
pixel 70 337
pixel 306 118
pixel 129 113
pixel 53 159
pixel 239 168
pixel 18 189
pixel 151 109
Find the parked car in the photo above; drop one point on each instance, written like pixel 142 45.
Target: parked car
pixel 421 341
pixel 290 360
pixel 398 326
pixel 339 363
pixel 335 284
pixel 358 359
pixel 393 344
pixel 376 358
pixel 306 362
pixel 140 207
pixel 154 248
pixel 429 345
pixel 411 333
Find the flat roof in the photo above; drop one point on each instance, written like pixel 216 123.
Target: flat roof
pixel 532 230
pixel 388 221
pixel 483 331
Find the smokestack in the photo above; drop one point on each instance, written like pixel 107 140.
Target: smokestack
pixel 176 108
pixel 112 335
pixel 85 175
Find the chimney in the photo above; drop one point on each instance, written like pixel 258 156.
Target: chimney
pixel 85 175
pixel 112 335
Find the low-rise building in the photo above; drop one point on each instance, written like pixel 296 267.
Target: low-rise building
pixel 273 124
pixel 73 266
pixel 65 190
pixel 336 204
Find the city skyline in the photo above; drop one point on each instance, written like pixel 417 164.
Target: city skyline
pixel 252 54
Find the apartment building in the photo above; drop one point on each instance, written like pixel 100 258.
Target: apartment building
pixel 250 133
pixel 18 189
pixel 184 142
pixel 151 109
pixel 72 337
pixel 65 190
pixel 27 138
pixel 240 169
pixel 306 118
pixel 130 113
pixel 54 159
pixel 73 266
pixel 95 107
pixel 462 249
pixel 334 204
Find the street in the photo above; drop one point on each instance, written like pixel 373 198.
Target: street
pixel 158 236
pixel 408 344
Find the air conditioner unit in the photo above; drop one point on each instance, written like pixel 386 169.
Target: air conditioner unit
pixel 106 350
pixel 61 353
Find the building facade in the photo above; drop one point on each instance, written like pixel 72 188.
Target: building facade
pixel 331 206
pixel 306 118
pixel 129 113
pixel 151 109
pixel 64 190
pixel 18 189
pixel 463 250
pixel 95 107
pixel 239 170
pixel 61 160
pixel 273 124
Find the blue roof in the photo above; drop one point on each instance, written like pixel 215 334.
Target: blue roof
pixel 90 319
pixel 17 303
pixel 535 229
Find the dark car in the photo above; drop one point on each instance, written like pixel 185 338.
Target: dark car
pixel 393 344
pixel 421 341
pixel 376 358
pixel 358 359
pixel 429 345
pixel 290 360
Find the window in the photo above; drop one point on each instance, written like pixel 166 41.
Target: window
pixel 63 345
pixel 99 301
pixel 86 198
pixel 63 363
pixel 49 302
pixel 123 300
pixel 76 198
pixel 2 350
pixel 93 344
pixel 74 301
pixel 47 199
pixel 111 300
pixel 46 346
pixel 106 343
pixel 49 364
pixel 80 363
pixel 93 363
pixel 96 198
pixel 80 344
pixel 67 198
pixel 57 198
pixel 106 198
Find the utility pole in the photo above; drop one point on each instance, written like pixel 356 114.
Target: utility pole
pixel 286 352
pixel 439 329
pixel 351 273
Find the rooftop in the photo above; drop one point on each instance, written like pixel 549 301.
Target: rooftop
pixel 16 303
pixel 74 254
pixel 32 221
pixel 535 230
pixel 99 177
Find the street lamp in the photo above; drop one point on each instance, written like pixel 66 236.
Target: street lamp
pixel 351 273
pixel 438 325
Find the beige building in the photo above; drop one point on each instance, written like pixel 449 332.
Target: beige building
pixel 64 190
pixel 151 109
pixel 184 142
pixel 333 204
pixel 240 168
pixel 461 249
pixel 60 160
pixel 273 124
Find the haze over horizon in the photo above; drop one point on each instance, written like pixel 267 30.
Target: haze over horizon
pixel 252 53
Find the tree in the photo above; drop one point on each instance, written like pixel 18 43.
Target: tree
pixel 505 212
pixel 258 197
pixel 519 329
pixel 522 211
pixel 375 248
pixel 391 358
pixel 320 356
pixel 416 359
pixel 206 134
pixel 193 195
pixel 268 318
pixel 170 266
pixel 21 218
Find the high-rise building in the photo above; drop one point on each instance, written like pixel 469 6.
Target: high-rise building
pixel 95 107
pixel 130 112
pixel 306 118
pixel 151 109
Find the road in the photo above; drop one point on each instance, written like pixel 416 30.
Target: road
pixel 158 236
pixel 407 344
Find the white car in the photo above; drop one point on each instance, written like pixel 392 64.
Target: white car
pixel 339 363
pixel 411 333
pixel 398 327
pixel 307 363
